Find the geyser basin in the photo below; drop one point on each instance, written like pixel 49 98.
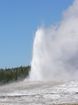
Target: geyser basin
pixel 55 49
pixel 39 93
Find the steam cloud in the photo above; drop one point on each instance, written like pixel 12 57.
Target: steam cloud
pixel 55 49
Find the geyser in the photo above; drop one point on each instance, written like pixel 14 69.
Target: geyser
pixel 55 49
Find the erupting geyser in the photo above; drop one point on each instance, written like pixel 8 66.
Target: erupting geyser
pixel 55 49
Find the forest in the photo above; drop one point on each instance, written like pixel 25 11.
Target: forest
pixel 8 75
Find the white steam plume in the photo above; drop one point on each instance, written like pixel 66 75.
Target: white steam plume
pixel 55 49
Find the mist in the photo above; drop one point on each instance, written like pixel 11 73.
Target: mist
pixel 55 49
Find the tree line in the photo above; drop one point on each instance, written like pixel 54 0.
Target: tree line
pixel 13 74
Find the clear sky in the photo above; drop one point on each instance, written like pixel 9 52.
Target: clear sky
pixel 19 20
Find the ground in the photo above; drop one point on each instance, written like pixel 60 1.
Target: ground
pixel 39 93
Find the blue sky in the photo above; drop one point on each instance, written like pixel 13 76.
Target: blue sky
pixel 19 20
